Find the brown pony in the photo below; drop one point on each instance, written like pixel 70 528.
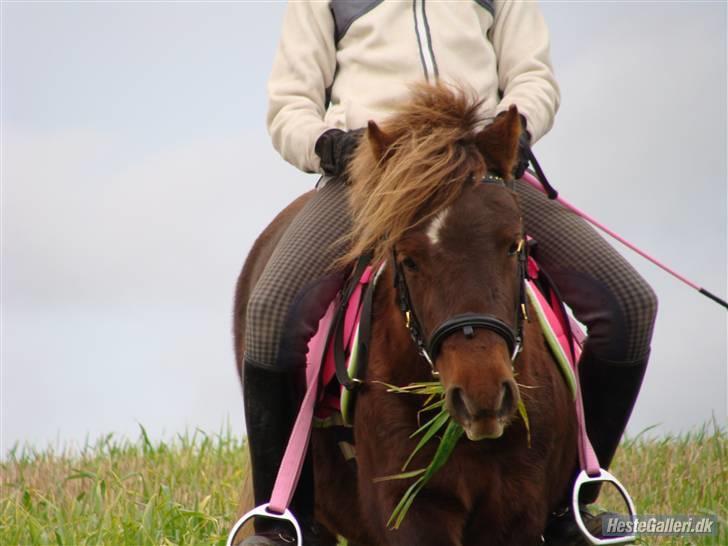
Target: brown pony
pixel 417 198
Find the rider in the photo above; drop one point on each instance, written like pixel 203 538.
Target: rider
pixel 343 62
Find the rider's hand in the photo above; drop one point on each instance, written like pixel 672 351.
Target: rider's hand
pixel 334 148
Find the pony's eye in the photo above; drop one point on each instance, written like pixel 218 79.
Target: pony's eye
pixel 515 247
pixel 409 263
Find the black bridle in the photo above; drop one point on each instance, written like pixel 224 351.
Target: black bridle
pixel 467 322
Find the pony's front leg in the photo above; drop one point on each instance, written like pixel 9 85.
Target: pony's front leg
pixel 436 518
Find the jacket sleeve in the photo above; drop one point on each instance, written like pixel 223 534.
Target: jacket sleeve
pixel 525 76
pixel 303 69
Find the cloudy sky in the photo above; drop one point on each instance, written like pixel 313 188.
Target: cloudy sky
pixel 137 171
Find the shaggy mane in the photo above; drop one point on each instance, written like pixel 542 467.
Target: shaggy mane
pixel 431 159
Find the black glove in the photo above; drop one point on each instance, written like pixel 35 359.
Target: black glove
pixel 335 148
pixel 526 157
pixel 524 151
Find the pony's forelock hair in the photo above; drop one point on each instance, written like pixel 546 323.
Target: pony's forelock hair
pixel 430 157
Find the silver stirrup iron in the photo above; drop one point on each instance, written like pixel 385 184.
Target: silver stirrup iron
pixel 264 512
pixel 604 476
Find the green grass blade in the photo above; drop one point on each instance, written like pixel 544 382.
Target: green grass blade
pixel 401 475
pixel 524 415
pixel 449 440
pixel 433 427
pixel 434 405
pixel 428 424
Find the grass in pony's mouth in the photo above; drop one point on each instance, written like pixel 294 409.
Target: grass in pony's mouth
pixel 434 401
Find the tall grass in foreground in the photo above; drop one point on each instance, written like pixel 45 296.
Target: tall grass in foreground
pixel 118 492
pixel 187 491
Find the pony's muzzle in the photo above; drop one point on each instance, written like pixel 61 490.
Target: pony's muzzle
pixel 485 416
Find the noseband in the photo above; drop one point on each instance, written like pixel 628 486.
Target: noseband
pixel 466 322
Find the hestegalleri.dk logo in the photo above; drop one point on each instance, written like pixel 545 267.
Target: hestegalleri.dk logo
pixel 619 525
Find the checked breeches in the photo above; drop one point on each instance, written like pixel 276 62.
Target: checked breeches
pixel 602 288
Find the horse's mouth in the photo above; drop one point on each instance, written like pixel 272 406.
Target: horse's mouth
pixel 485 427
pixel 481 424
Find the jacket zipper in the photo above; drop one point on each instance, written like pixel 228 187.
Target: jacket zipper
pixel 424 40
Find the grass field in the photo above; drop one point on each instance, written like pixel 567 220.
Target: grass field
pixel 187 491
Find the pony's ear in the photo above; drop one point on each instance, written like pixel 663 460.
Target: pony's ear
pixel 378 140
pixel 498 143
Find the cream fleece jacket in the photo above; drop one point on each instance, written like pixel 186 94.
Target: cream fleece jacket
pixel 341 63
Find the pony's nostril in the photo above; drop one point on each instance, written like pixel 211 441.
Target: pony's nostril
pixel 457 403
pixel 508 398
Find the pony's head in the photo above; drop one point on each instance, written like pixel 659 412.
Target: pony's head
pixel 420 204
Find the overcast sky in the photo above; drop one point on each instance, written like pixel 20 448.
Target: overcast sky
pixel 137 171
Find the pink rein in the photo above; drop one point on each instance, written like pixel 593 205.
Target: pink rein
pixel 533 181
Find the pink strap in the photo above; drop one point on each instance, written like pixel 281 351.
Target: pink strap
pixel 587 457
pixel 353 310
pixel 293 458
pixel 533 181
pixel 292 463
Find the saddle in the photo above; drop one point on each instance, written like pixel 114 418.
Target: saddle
pixel 344 334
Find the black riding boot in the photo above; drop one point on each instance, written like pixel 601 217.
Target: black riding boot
pixel 271 404
pixel 609 391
